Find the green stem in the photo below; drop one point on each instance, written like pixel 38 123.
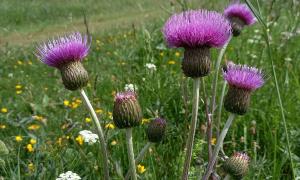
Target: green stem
pixel 131 153
pixel 139 158
pixel 218 147
pixel 216 76
pixel 190 140
pixel 218 124
pixel 99 132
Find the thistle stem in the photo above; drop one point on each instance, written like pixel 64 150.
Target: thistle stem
pixel 227 177
pixel 99 132
pixel 216 76
pixel 218 147
pixel 190 140
pixel 213 100
pixel 139 158
pixel 218 123
pixel 130 153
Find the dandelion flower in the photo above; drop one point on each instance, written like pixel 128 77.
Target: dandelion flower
pixel 141 169
pixel 19 138
pixel 110 126
pixel 197 31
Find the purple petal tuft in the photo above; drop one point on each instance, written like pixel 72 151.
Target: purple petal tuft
pixel 62 50
pixel 240 11
pixel 121 96
pixel 197 28
pixel 244 77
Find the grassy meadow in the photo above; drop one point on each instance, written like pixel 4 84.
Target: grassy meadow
pixel 40 120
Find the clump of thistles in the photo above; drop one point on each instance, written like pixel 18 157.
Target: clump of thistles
pixel 156 130
pixel 237 165
pixel 66 54
pixel 242 80
pixel 127 112
pixel 239 16
pixel 197 31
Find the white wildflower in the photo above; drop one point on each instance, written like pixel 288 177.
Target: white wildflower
pixel 130 87
pixel 68 176
pixel 89 137
pixel 288 59
pixel 151 66
pixel 251 41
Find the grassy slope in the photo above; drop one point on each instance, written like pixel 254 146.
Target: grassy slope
pixel 119 58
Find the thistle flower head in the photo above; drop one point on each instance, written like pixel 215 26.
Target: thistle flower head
pixel 196 28
pixel 240 11
pixel 156 130
pixel 62 50
pixel 237 165
pixel 127 112
pixel 243 77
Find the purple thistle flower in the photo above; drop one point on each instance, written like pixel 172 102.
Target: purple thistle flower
pixel 243 77
pixel 241 11
pixel 62 50
pixel 122 96
pixel 197 28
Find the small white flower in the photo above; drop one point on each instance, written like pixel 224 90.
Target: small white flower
pixel 288 59
pixel 151 66
pixel 68 176
pixel 251 41
pixel 253 56
pixel 89 137
pixel 130 87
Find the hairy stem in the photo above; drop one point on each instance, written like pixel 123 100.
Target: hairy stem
pixel 99 132
pixel 190 140
pixel 139 158
pixel 218 147
pixel 131 153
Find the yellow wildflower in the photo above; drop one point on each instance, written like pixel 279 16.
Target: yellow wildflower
pixel 18 86
pixel 171 62
pixel 59 141
pixel 32 141
pixel 88 120
pixel 19 138
pixel 213 141
pixel 78 101
pixel 29 148
pixel 66 102
pixel 33 127
pixel 113 93
pixel 99 111
pixel 177 54
pixel 141 169
pixel 31 167
pixel 18 92
pixel 110 126
pixel 79 139
pixel 145 121
pixel 4 110
pixel 113 143
pixel 19 62
pixel 29 62
pixel 161 54
pixel 74 105
pixel 39 118
pixel 2 126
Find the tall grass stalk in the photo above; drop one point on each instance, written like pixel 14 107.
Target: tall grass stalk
pixel 267 39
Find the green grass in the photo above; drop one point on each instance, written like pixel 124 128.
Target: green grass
pixel 119 58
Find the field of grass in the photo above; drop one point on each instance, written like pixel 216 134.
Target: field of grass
pixel 126 36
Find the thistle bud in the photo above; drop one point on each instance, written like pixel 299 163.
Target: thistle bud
pixel 242 80
pixel 127 112
pixel 196 62
pixel 237 165
pixel 156 130
pixel 74 75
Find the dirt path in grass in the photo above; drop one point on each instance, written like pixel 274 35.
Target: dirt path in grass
pixel 96 25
